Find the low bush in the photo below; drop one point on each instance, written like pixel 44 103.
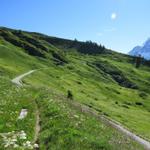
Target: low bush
pixel 69 95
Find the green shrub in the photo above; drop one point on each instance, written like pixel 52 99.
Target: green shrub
pixel 139 103
pixel 69 94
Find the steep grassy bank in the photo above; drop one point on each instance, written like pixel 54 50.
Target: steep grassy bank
pixel 65 127
pixel 62 126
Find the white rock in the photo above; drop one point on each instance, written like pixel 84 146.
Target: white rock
pixel 23 114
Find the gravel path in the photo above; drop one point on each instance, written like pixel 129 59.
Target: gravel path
pixel 18 82
pixel 133 136
pixel 18 79
pixel 112 123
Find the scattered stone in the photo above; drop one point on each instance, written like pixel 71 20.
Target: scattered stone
pixel 23 114
pixel 36 145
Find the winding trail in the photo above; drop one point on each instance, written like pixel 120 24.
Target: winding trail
pixel 18 79
pixel 18 82
pixel 86 109
pixel 119 127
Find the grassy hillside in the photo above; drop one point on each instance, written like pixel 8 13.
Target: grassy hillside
pixel 99 90
pixel 62 125
pixel 106 81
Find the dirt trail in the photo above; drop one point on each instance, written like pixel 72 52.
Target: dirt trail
pixel 133 136
pixel 37 127
pixel 18 79
pixel 18 82
pixel 112 123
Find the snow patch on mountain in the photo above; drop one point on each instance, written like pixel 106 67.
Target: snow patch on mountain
pixel 144 50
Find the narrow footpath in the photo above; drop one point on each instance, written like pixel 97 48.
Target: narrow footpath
pixel 18 82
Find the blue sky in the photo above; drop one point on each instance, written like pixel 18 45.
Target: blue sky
pixel 118 24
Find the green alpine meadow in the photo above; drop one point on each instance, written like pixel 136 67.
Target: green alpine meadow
pixel 79 95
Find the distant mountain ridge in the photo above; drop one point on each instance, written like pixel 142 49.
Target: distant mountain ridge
pixel 144 50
